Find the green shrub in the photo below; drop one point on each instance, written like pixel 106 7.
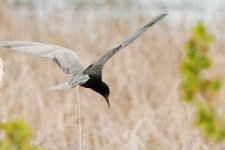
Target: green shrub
pixel 198 90
pixel 15 135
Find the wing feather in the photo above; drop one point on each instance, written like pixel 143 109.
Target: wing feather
pixel 66 59
pixel 105 57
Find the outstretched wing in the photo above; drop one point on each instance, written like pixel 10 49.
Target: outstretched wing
pixel 127 41
pixel 66 59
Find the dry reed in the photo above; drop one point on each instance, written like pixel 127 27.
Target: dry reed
pixel 145 109
pixel 1 71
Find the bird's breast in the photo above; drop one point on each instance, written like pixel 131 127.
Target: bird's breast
pixel 92 82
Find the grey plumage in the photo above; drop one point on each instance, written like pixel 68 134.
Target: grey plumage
pixel 77 79
pixel 69 62
pixel 105 57
pixel 66 59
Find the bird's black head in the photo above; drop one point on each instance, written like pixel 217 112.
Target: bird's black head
pixel 103 89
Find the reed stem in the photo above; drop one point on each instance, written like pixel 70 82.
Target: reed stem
pixel 79 118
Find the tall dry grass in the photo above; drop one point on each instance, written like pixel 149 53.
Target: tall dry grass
pixel 1 71
pixel 144 77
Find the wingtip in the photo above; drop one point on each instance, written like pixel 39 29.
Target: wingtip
pixel 163 15
pixel 1 44
pixel 108 104
pixel 6 44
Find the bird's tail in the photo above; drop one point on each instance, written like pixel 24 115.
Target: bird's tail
pixel 77 79
pixel 62 86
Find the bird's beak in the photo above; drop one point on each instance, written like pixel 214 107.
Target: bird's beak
pixel 107 100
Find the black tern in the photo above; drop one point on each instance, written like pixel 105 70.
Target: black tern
pixel 68 61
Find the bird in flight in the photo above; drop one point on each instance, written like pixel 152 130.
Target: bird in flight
pixel 68 61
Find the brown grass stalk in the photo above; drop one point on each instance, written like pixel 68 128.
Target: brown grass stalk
pixel 142 78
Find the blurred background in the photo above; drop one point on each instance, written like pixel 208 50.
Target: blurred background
pixel 146 112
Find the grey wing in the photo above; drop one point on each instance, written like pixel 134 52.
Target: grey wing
pixel 66 59
pixel 127 41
